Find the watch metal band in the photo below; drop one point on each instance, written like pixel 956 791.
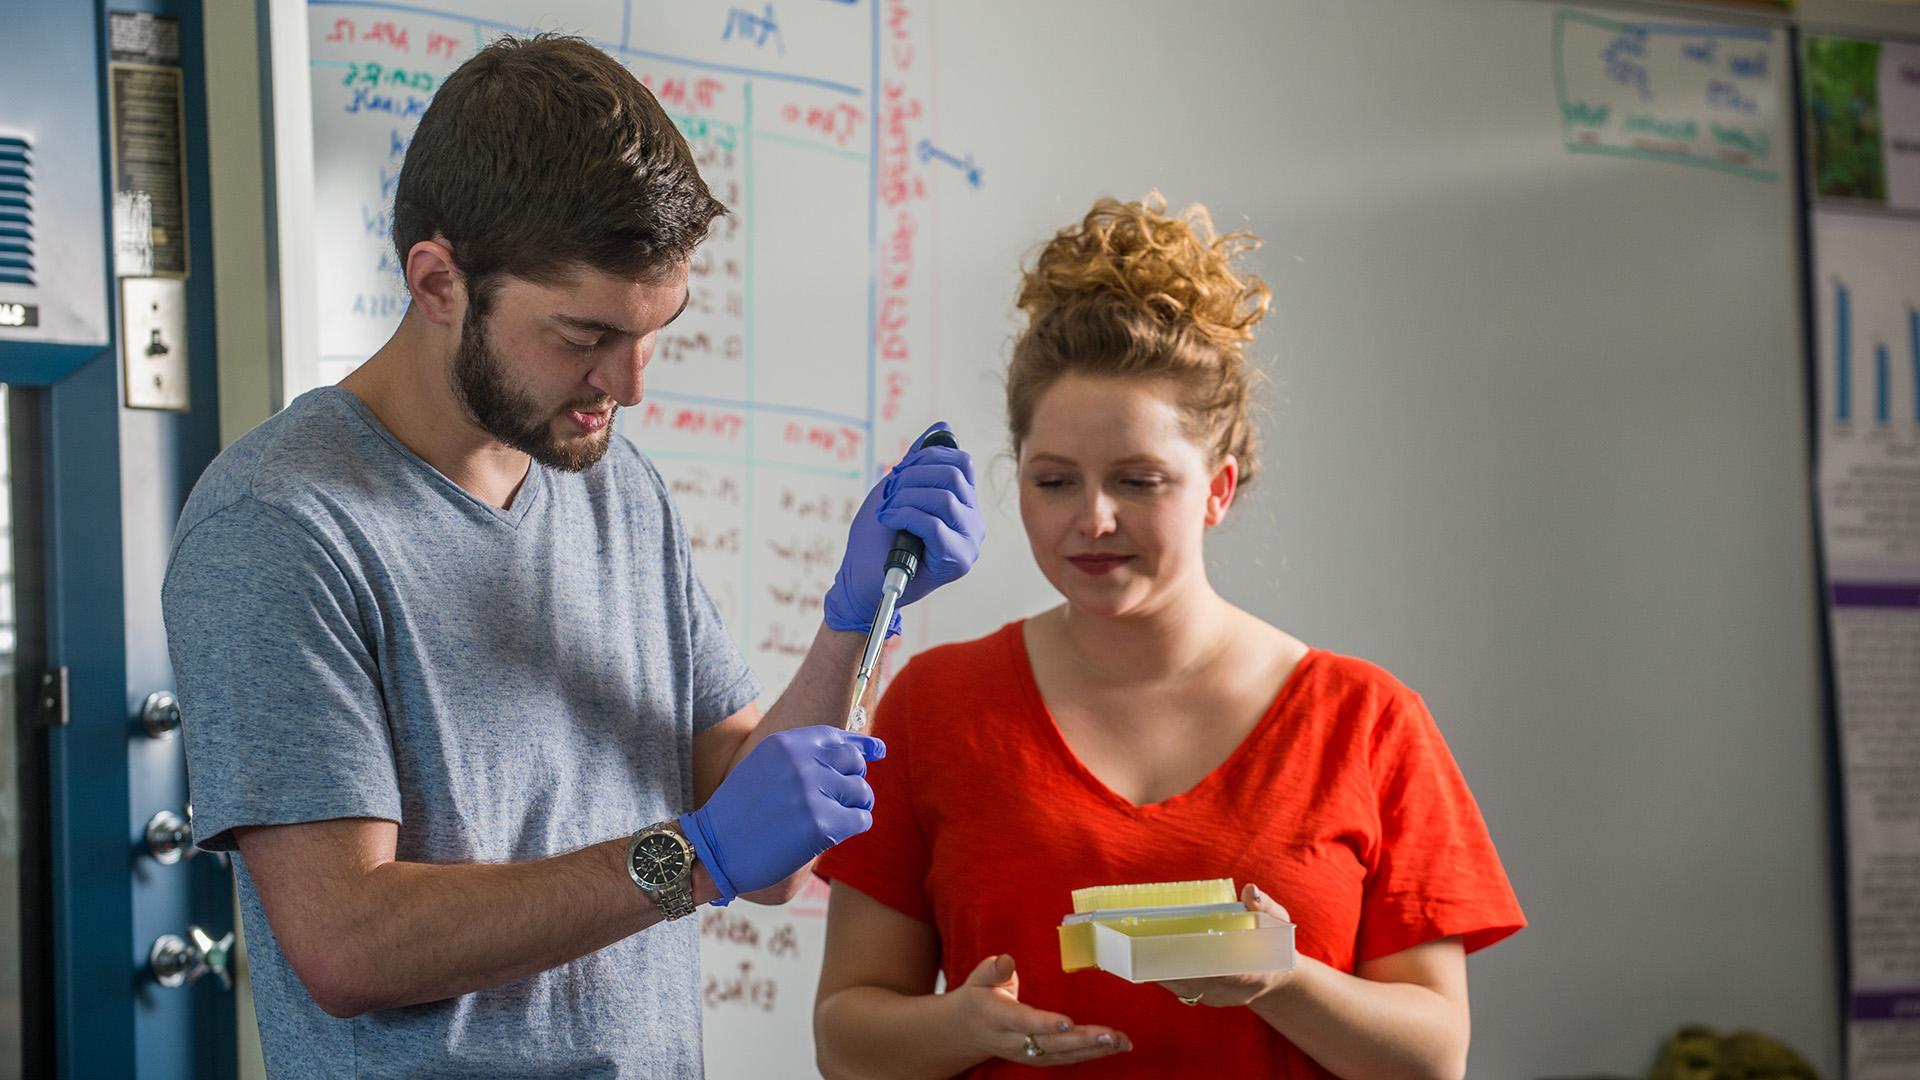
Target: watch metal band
pixel 674 903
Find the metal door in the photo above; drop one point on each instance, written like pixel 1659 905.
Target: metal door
pixel 111 979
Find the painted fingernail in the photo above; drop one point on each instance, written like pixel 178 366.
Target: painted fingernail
pixel 1063 1025
pixel 1104 1040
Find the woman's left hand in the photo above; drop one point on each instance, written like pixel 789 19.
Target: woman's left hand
pixel 1233 991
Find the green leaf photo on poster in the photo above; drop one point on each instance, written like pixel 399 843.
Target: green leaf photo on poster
pixel 1843 118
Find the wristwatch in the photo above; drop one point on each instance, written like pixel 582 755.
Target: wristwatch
pixel 660 861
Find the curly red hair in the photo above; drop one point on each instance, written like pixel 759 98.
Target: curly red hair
pixel 1133 291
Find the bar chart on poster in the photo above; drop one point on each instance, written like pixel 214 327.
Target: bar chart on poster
pixel 1867 286
pixel 766 409
pixel 1880 359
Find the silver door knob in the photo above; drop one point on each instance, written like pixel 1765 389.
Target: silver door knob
pixel 175 962
pixel 169 838
pixel 160 714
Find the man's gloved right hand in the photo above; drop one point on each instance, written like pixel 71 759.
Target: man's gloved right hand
pixel 798 793
pixel 931 495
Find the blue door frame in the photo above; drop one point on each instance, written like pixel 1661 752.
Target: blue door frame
pixel 112 481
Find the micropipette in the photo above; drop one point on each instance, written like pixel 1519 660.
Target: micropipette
pixel 903 561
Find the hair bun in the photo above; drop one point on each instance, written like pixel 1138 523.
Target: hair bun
pixel 1134 292
pixel 1171 265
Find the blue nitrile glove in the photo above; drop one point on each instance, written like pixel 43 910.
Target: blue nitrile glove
pixel 929 494
pixel 798 793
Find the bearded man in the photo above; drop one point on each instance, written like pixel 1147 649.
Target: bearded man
pixel 450 685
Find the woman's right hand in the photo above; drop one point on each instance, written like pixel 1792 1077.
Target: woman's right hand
pixel 1000 1026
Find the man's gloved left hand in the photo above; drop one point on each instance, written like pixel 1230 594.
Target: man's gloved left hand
pixel 798 793
pixel 929 494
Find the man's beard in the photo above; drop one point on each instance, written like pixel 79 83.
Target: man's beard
pixel 480 382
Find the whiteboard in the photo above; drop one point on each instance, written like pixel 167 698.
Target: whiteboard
pixel 1535 434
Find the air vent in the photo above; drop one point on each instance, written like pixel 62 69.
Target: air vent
pixel 16 211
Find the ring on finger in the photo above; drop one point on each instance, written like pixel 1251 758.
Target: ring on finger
pixel 1194 1000
pixel 1032 1048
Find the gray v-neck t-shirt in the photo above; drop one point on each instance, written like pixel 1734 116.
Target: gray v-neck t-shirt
pixel 354 635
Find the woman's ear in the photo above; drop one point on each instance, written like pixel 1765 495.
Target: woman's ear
pixel 1221 487
pixel 438 290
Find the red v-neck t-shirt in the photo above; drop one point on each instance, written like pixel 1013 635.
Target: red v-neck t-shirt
pixel 1343 803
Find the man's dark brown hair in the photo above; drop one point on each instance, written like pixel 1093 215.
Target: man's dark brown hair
pixel 542 156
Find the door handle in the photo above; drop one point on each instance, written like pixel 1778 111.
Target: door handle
pixel 169 839
pixel 176 962
pixel 160 714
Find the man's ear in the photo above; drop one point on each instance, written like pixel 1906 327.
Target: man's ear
pixel 438 289
pixel 1221 488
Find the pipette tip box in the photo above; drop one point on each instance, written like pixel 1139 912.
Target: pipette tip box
pixel 1187 942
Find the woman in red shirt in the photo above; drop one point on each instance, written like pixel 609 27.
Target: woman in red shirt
pixel 1147 730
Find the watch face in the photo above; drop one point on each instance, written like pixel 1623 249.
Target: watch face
pixel 659 860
